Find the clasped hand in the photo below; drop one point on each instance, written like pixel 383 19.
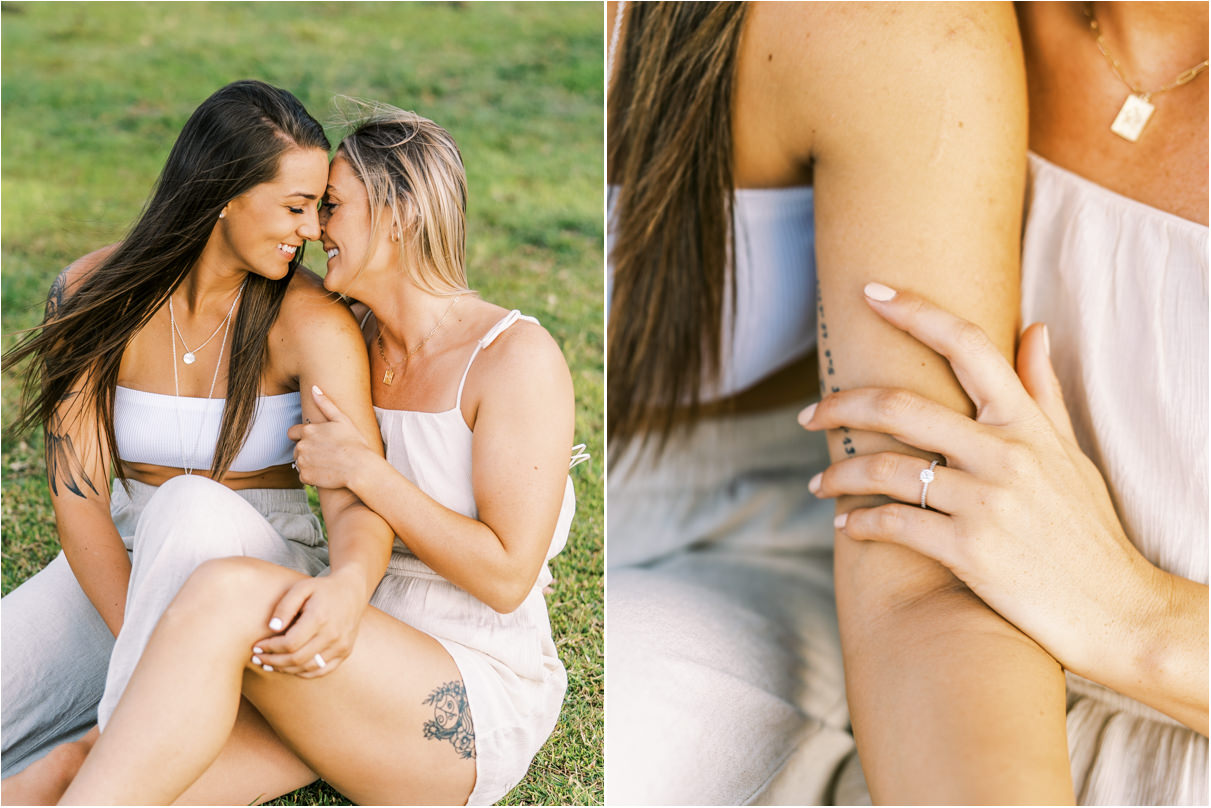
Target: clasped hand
pixel 314 626
pixel 328 454
pixel 1017 512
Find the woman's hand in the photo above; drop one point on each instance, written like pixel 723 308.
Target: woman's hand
pixel 314 625
pixel 1017 511
pixel 329 454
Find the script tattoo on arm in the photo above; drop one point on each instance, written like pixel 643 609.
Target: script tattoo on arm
pixel 63 465
pixel 827 370
pixel 451 718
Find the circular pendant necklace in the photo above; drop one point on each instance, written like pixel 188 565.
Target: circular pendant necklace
pixel 190 355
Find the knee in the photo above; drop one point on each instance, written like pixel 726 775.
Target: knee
pixel 220 589
pixel 187 516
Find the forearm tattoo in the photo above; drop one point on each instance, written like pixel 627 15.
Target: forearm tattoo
pixel 451 718
pixel 62 462
pixel 828 370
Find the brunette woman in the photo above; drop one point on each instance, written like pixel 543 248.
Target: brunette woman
pixel 176 359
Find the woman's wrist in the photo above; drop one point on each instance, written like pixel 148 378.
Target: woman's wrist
pixel 366 468
pixel 1161 656
pixel 355 577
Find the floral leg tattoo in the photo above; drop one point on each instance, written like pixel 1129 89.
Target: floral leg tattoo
pixel 451 718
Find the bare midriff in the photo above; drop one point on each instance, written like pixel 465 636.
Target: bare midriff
pixel 272 477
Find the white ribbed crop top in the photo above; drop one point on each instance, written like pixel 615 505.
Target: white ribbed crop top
pixel 775 307
pixel 147 431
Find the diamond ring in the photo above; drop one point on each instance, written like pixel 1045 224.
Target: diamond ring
pixel 926 478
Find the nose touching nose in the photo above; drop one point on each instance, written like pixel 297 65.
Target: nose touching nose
pixel 310 229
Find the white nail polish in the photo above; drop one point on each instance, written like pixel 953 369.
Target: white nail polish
pixel 813 484
pixel 1046 340
pixel 275 624
pixel 805 415
pixel 315 388
pixel 256 660
pixel 267 668
pixel 879 292
pixel 258 650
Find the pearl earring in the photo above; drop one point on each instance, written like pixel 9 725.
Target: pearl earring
pixel 222 214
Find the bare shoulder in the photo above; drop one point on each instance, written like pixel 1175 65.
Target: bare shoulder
pixel 68 280
pixel 843 34
pixel 309 307
pixel 314 328
pixel 524 355
pixel 844 67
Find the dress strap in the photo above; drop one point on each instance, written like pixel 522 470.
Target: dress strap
pixel 365 317
pixel 485 341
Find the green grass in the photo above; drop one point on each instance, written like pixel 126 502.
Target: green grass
pixel 94 94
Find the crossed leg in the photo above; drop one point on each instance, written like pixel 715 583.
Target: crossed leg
pixel 361 727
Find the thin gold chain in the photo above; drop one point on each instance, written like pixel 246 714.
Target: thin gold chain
pixel 1184 78
pixel 383 354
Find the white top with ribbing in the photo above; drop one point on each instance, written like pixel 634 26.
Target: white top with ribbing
pixel 167 430
pixel 772 321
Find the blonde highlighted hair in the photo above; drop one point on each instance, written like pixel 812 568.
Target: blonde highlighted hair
pixel 412 167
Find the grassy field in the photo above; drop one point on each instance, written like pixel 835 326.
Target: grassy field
pixel 94 94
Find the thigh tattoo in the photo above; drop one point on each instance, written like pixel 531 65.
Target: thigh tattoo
pixel 451 718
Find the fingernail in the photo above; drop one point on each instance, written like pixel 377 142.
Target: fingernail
pixel 256 660
pixel 813 484
pixel 879 292
pixel 257 650
pixel 267 668
pixel 1046 341
pixel 315 388
pixel 805 415
pixel 275 624
pixel 840 521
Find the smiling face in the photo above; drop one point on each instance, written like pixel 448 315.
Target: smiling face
pixel 263 228
pixel 355 259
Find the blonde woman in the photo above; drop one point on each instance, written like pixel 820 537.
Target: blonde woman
pixel 452 681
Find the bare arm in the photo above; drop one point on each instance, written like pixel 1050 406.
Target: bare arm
pixel 77 471
pixel 521 439
pixel 333 357
pixel 77 474
pixel 917 115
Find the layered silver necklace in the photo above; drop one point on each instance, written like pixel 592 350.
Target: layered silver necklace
pixel 189 358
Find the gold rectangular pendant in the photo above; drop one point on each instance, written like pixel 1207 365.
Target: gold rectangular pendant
pixel 1132 118
pixel 388 376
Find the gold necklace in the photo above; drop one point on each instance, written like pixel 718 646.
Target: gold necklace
pixel 1136 111
pixel 389 375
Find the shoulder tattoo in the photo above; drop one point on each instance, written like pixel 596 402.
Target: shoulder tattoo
pixel 54 298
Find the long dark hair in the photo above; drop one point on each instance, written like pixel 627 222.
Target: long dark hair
pixel 670 154
pixel 230 144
